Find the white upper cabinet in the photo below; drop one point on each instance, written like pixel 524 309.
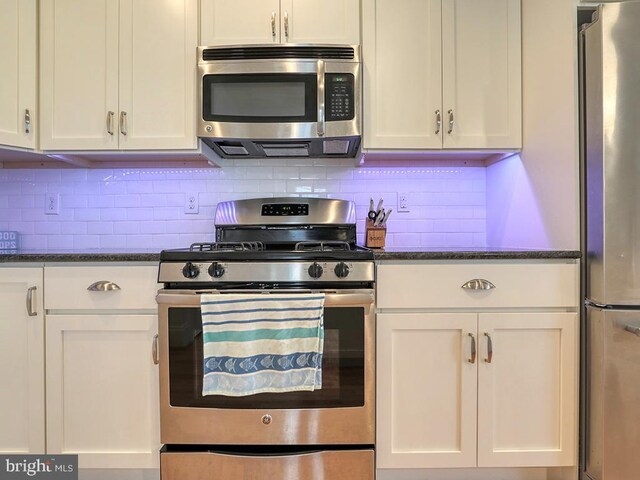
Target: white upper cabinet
pixel 482 87
pixel 21 361
pixel 117 74
pixel 442 74
pixel 402 51
pixel 239 22
pixel 247 22
pixel 18 73
pixel 157 74
pixel 320 21
pixel 78 74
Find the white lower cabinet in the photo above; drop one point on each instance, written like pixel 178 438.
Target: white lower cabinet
pixel 471 383
pixel 102 382
pixel 102 390
pixel 21 361
pixel 426 391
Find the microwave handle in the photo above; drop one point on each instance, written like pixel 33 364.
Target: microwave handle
pixel 321 106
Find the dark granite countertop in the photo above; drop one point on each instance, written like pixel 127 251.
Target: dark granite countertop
pixel 390 253
pixel 430 253
pixel 93 255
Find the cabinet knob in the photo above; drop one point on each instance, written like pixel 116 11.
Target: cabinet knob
pixel 489 358
pixel 451 122
pixel 478 284
pixel 123 122
pixel 473 348
pixel 438 122
pixel 31 311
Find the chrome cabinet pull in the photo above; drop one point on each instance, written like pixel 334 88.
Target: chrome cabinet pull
pixel 451 122
pixel 103 286
pixel 473 349
pixel 123 122
pixel 286 26
pixel 489 348
pixel 110 115
pixel 438 122
pixel 633 329
pixel 27 121
pixel 478 284
pixel 273 26
pixel 154 350
pixel 30 308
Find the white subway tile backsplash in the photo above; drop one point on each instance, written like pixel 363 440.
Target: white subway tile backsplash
pixel 142 209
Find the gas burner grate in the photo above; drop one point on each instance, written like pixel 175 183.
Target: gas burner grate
pixel 321 246
pixel 227 247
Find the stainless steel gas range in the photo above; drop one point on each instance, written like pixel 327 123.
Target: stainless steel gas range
pixel 267 246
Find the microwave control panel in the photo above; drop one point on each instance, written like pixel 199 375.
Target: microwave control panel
pixel 339 96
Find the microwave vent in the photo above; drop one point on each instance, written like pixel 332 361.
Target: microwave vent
pixel 270 52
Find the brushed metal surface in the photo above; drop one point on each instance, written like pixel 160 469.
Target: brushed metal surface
pixel 267 272
pixel 325 465
pixel 281 130
pixel 613 416
pixel 321 426
pixel 322 211
pixel 612 78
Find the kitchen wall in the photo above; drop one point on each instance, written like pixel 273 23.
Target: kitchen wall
pixel 144 209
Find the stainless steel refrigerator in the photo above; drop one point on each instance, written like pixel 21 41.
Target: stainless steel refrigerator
pixel 611 169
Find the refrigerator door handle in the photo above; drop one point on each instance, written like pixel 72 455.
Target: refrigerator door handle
pixel 633 329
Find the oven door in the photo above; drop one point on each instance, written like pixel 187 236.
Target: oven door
pixel 341 412
pixel 279 99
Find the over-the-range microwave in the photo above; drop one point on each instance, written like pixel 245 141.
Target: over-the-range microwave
pixel 280 100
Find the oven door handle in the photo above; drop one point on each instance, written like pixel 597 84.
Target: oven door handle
pixel 333 299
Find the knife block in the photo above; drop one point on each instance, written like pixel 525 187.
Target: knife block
pixel 375 236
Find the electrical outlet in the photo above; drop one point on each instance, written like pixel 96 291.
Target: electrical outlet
pixel 403 202
pixel 52 204
pixel 191 203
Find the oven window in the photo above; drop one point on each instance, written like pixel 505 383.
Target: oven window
pixel 259 98
pixel 342 365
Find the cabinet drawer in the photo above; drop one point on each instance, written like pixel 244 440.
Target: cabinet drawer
pixel 439 285
pixel 67 287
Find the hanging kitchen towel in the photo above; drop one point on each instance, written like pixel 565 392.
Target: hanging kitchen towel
pixel 262 343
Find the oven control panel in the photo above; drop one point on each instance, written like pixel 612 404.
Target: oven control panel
pixel 284 209
pixel 272 272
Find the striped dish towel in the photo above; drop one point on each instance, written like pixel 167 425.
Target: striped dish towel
pixel 262 343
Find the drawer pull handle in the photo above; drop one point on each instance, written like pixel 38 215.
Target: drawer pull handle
pixel 31 311
pixel 154 350
pixel 103 286
pixel 489 358
pixel 473 349
pixel 633 329
pixel 478 284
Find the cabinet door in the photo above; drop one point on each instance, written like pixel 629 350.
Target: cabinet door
pixel 401 44
pixel 482 73
pixel 527 400
pixel 239 22
pixel 102 390
pixel 158 43
pixel 21 362
pixel 426 391
pixel 78 74
pixel 320 21
pixel 18 67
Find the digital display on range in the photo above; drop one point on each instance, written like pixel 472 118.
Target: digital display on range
pixel 284 209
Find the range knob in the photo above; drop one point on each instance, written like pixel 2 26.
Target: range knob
pixel 341 270
pixel 190 270
pixel 216 270
pixel 315 271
